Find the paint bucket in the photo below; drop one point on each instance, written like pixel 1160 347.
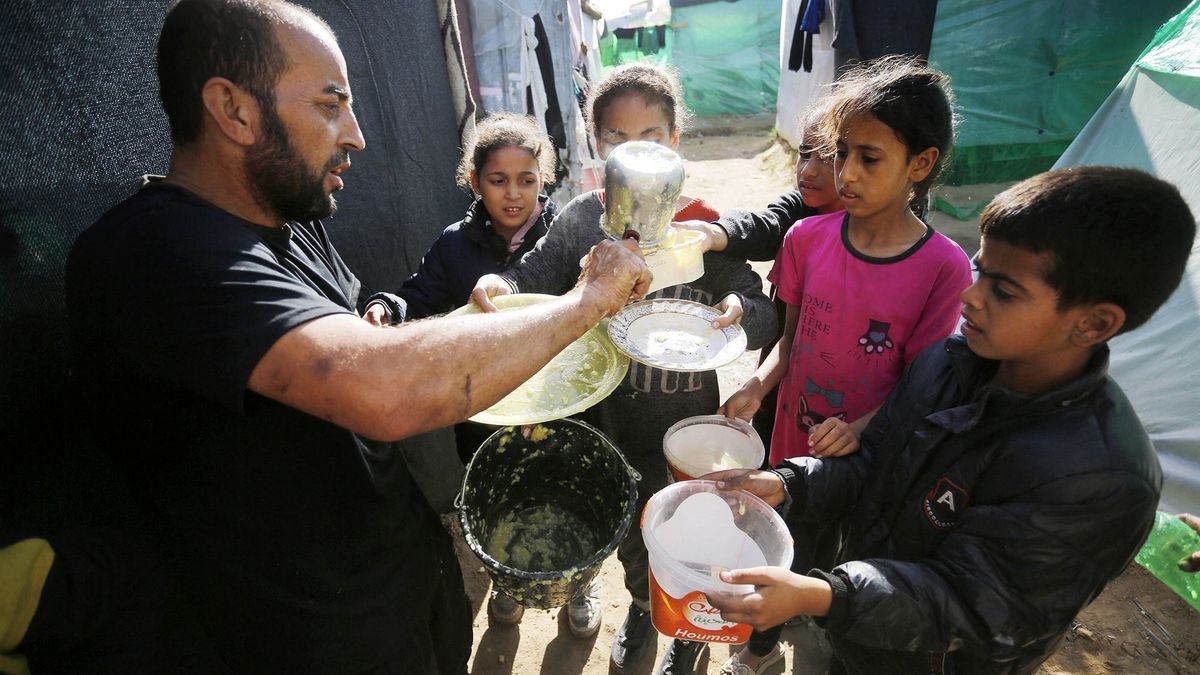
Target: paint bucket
pixel 699 445
pixel 693 531
pixel 543 512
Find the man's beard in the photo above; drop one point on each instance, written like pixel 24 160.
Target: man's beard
pixel 280 179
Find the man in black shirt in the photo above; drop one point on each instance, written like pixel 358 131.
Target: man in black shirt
pixel 215 328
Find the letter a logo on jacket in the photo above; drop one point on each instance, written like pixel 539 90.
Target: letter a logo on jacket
pixel 945 503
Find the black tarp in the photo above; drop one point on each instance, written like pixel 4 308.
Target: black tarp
pixel 82 123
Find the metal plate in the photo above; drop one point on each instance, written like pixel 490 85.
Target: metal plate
pixel 675 335
pixel 579 377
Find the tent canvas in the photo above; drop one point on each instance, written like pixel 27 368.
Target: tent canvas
pixel 1022 95
pixel 1152 122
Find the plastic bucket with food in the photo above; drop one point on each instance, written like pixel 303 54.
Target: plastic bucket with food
pixel 696 446
pixel 543 510
pixel 693 531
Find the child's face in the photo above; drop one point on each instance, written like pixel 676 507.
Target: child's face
pixel 1012 315
pixel 509 184
pixel 814 177
pixel 872 168
pixel 630 118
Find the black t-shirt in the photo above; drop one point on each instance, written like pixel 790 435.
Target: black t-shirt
pixel 305 549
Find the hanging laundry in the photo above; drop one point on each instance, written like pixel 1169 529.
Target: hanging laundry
pixel 554 118
pixel 535 91
pixel 527 53
pixel 808 23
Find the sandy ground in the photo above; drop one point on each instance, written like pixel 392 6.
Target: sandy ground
pixel 747 171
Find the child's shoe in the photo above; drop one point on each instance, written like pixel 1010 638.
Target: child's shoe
pixel 735 665
pixel 680 658
pixel 629 640
pixel 505 610
pixel 583 612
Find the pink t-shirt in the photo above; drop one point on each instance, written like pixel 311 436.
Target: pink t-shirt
pixel 862 319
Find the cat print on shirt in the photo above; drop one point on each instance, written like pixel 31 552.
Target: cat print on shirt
pixel 876 339
pixel 807 418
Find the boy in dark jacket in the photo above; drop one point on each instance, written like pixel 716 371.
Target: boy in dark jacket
pixel 1007 479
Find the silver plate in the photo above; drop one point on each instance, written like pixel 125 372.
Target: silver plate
pixel 675 335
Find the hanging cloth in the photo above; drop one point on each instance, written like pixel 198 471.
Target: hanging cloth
pixel 554 118
pixel 808 23
pixel 535 93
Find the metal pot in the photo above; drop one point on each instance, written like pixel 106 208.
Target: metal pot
pixel 642 182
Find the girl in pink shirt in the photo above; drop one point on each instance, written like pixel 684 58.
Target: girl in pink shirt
pixel 866 288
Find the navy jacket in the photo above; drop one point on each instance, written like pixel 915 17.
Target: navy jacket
pixel 464 252
pixel 978 521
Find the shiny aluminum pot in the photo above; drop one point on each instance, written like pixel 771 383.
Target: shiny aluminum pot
pixel 642 182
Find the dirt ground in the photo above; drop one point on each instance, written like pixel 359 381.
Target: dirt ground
pixel 1113 635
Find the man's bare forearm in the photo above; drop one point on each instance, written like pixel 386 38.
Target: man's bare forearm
pixel 391 383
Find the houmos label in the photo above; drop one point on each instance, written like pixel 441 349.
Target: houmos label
pixel 692 618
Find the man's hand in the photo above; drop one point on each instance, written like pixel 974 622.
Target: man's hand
pixel 731 311
pixel 377 314
pixel 614 273
pixel 488 287
pixel 715 238
pixel 743 403
pixel 778 595
pixel 832 438
pixel 1192 562
pixel 766 485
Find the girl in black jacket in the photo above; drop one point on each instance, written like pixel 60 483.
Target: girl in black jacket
pixel 505 165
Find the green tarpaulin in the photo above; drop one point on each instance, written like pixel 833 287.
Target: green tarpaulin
pixel 727 54
pixel 1028 74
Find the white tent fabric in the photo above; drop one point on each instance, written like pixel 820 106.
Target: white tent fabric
pixel 1152 122
pixel 798 89
pixel 634 13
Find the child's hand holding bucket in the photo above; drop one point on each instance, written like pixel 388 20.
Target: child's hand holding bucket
pixel 778 596
pixel 744 402
pixel 766 485
pixel 692 530
pixel 715 238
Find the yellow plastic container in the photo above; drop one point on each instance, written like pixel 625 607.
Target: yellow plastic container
pixel 678 261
